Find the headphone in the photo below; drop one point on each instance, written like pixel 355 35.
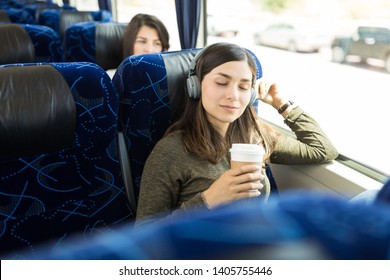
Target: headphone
pixel 193 84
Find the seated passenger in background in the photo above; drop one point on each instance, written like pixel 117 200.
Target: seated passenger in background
pixel 145 34
pixel 189 168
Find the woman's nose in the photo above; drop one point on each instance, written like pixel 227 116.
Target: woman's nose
pixel 148 48
pixel 232 93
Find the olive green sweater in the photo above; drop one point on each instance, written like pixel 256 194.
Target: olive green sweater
pixel 173 180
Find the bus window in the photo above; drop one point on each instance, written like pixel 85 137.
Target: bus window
pixel 349 100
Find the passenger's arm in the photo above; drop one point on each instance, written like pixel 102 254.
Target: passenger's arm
pixel 310 146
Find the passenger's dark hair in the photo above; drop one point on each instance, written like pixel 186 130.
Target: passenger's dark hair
pixel 135 25
pixel 199 136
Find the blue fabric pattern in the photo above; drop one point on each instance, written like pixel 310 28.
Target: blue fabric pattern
pixel 33 8
pixel 102 15
pixel 47 43
pixel 297 225
pixel 144 107
pixel 20 16
pixel 51 18
pixel 80 42
pixel 78 189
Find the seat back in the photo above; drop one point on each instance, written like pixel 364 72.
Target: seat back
pixel 22 43
pixel 59 165
pixel 19 15
pixel 47 43
pixel 152 93
pixel 67 18
pixel 35 8
pixel 61 19
pixel 15 45
pixel 98 42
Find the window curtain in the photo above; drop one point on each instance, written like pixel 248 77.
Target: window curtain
pixel 188 16
pixel 105 5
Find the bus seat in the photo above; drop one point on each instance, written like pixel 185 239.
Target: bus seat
pixel 41 9
pixel 383 195
pixel 15 45
pixel 102 16
pixel 59 163
pixel 98 42
pixel 282 229
pixel 18 39
pixel 19 15
pixel 35 8
pixel 60 20
pixel 151 90
pixel 47 44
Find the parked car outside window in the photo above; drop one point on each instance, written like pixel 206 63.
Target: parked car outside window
pixel 367 41
pixel 294 36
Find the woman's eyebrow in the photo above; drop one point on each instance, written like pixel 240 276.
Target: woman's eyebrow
pixel 230 77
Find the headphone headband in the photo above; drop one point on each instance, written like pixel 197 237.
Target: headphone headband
pixel 193 82
pixel 194 60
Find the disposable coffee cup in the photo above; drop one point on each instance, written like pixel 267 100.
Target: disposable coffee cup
pixel 243 154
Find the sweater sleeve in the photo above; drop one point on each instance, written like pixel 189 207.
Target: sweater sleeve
pixel 164 173
pixel 310 146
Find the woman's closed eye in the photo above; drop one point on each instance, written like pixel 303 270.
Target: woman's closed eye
pixel 244 87
pixel 140 41
pixel 222 83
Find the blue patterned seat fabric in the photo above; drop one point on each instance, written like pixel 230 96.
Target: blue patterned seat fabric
pixel 97 42
pixel 79 42
pixel 20 16
pixel 34 9
pixel 101 16
pixel 78 188
pixel 60 19
pixel 152 92
pixel 297 225
pixel 47 43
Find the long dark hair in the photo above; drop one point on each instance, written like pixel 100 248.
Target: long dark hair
pixel 199 136
pixel 135 25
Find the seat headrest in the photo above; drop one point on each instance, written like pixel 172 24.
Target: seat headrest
pixel 37 110
pixel 177 65
pixel 42 7
pixel 68 18
pixel 108 43
pixel 15 45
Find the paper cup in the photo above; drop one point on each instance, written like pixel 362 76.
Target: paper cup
pixel 241 154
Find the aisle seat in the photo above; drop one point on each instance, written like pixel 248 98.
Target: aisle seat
pixel 59 161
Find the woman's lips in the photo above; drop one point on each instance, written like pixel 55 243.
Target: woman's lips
pixel 229 108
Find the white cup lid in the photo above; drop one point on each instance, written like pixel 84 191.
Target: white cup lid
pixel 247 152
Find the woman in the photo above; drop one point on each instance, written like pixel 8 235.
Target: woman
pixel 189 167
pixel 145 34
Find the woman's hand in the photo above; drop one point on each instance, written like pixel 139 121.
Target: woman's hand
pixel 237 183
pixel 269 93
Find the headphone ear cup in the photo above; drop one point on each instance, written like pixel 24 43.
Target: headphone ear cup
pixel 253 96
pixel 193 87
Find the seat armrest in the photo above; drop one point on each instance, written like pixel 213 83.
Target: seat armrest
pixel 126 171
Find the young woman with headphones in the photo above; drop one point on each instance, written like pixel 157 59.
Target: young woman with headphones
pixel 189 167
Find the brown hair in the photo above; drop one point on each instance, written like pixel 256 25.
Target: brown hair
pixel 199 136
pixel 135 25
